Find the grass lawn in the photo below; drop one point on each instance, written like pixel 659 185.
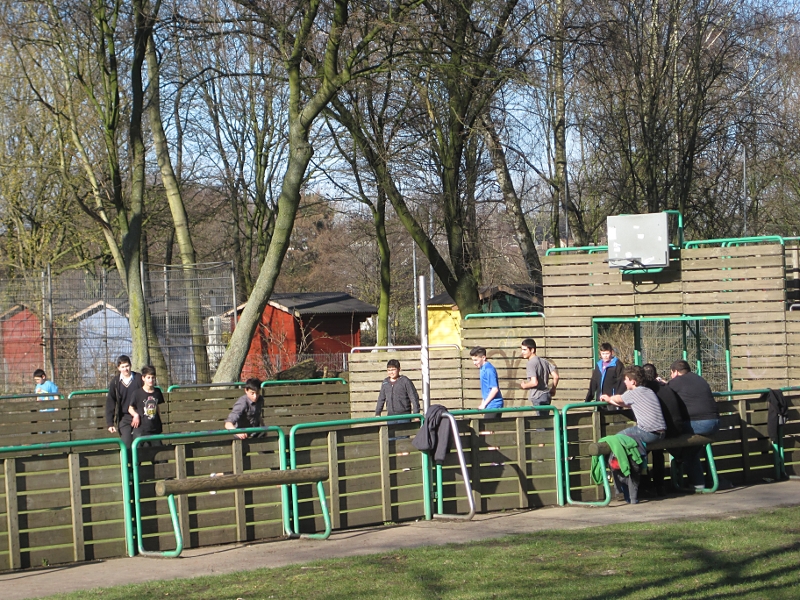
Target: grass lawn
pixel 750 556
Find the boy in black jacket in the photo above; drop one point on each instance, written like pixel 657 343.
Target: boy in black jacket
pixel 120 394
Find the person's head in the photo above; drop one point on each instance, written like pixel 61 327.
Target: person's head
pixel 527 348
pixel 149 376
pixel 252 388
pixel 124 365
pixel 650 373
pixel 633 376
pixel 39 376
pixel 679 367
pixel 393 368
pixel 478 354
pixel 606 351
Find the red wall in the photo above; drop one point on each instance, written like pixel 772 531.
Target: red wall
pixel 22 348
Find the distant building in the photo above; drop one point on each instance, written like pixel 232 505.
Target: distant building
pixel 103 333
pixel 21 347
pixel 444 317
pixel 304 323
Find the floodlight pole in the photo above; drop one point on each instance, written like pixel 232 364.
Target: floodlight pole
pixel 423 340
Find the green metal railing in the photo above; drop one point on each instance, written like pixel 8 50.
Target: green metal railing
pixel 205 385
pixel 588 249
pixel 50 396
pixel 87 393
pixel 727 242
pixel 328 424
pixel 565 450
pixel 301 381
pixel 123 461
pixel 171 500
pixel 502 315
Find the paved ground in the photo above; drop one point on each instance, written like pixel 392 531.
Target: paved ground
pixel 226 559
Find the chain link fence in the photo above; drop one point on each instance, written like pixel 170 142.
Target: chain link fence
pixel 75 324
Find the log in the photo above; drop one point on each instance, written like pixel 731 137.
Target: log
pixel 681 441
pixel 244 480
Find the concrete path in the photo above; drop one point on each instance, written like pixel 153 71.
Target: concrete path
pixel 227 559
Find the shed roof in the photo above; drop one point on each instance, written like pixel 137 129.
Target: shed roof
pixel 318 303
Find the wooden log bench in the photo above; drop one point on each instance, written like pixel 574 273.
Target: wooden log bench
pixel 172 487
pixel 687 440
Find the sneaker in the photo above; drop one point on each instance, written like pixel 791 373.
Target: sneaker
pixel 699 489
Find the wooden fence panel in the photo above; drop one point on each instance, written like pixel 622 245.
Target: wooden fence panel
pixel 759 350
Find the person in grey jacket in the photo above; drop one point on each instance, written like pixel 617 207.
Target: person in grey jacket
pixel 397 392
pixel 247 410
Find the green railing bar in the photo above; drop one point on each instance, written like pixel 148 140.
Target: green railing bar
pixel 724 242
pixel 123 461
pixel 589 249
pixel 680 225
pixel 21 396
pixel 567 493
pixel 556 434
pixel 204 385
pixel 676 473
pixel 644 319
pixel 173 512
pixel 291 381
pixel 326 424
pixel 86 392
pixel 501 315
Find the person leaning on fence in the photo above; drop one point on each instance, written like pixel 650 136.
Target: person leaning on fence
pixel 247 410
pixel 650 425
pixel 703 413
pixel 145 415
pixel 121 389
pixel 397 392
pixel 607 375
pixel 537 373
pixel 43 387
pixel 490 385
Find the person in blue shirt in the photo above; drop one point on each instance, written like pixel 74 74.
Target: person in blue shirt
pixel 490 387
pixel 43 387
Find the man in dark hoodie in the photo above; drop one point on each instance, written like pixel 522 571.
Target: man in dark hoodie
pixel 607 376
pixel 397 392
pixel 121 390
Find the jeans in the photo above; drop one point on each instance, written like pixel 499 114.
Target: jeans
pixel 691 456
pixel 642 437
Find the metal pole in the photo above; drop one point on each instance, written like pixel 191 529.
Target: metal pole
pixel 744 187
pixel 233 287
pixel 423 329
pixel 430 234
pixel 51 328
pixel 416 300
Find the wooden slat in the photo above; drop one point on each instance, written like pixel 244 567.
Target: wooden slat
pixel 12 514
pixel 76 505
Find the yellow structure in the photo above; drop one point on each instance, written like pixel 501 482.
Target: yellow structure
pixel 444 321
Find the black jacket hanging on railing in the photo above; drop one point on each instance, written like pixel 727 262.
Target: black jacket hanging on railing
pixel 434 435
pixel 778 412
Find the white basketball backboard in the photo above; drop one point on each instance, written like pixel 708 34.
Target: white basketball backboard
pixel 638 241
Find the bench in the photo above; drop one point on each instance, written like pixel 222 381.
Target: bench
pixel 687 440
pixel 172 487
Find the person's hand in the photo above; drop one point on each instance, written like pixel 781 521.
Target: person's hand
pixel 522 384
pixel 241 436
pixel 605 398
pixel 552 392
pixel 112 429
pixel 135 422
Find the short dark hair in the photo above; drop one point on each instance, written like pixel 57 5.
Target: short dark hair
pixel 635 373
pixel 124 358
pixel 681 366
pixel 393 362
pixel 478 351
pixel 606 347
pixel 40 373
pixel 148 370
pixel 529 343
pixel 650 373
pixel 254 383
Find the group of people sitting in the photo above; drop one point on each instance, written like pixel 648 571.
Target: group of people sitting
pixel 663 409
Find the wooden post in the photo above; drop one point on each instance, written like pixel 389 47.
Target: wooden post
pixel 386 486
pixel 333 478
pixel 183 501
pixel 76 504
pixel 237 458
pixel 244 480
pixel 12 514
pixel 522 463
